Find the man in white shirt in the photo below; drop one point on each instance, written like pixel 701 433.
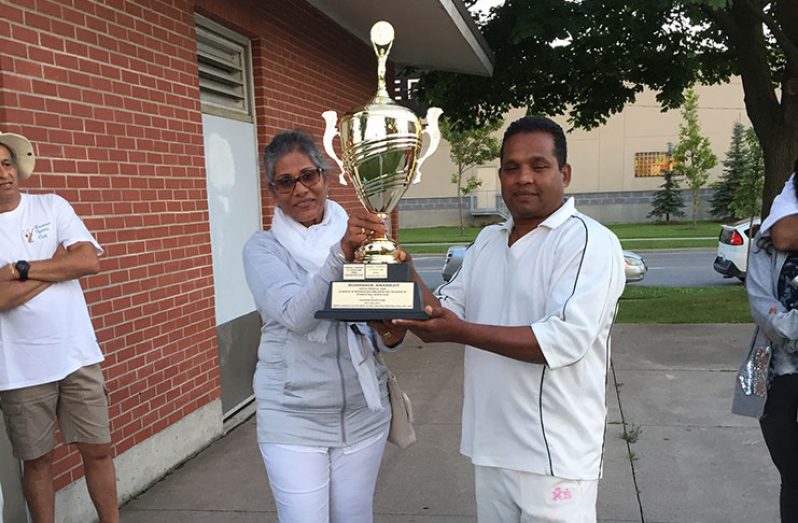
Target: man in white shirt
pixel 534 303
pixel 49 356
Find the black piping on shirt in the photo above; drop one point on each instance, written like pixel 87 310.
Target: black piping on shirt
pixel 543 375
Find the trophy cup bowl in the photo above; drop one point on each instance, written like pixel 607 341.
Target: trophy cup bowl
pixel 381 156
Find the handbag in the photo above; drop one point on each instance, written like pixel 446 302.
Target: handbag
pixel 751 382
pixel 402 433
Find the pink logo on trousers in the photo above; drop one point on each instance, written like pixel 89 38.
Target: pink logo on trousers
pixel 560 494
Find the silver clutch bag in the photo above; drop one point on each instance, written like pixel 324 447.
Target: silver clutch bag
pixel 751 382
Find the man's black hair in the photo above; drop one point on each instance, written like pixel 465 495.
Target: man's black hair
pixel 539 124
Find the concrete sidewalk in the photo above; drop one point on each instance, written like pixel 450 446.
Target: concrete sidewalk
pixel 685 458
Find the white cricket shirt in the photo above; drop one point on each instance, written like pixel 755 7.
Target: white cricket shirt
pixel 563 280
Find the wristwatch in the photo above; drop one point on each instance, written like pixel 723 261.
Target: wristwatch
pixel 22 268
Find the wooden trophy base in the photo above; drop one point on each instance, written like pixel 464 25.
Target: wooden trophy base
pixel 373 292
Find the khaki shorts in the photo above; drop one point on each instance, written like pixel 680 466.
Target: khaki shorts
pixel 78 402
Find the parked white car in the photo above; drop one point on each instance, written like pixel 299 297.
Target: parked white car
pixel 634 264
pixel 732 258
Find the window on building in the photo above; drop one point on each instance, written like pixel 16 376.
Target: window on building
pixel 225 70
pixel 650 164
pixel 404 88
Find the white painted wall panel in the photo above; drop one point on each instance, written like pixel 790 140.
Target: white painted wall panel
pixel 231 161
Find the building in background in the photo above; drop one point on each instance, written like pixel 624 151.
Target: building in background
pixel 615 166
pixel 148 116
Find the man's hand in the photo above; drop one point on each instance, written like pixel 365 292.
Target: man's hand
pixel 8 273
pixel 518 343
pixel 442 325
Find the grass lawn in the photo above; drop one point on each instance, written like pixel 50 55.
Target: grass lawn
pixel 633 236
pixel 726 304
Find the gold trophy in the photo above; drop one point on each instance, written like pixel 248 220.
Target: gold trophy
pixel 380 144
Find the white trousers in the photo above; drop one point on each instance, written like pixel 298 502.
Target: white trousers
pixel 324 485
pixel 507 496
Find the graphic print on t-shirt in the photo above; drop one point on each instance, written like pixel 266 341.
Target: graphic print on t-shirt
pixel 38 232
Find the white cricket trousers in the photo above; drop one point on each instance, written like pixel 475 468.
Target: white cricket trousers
pixel 513 496
pixel 324 485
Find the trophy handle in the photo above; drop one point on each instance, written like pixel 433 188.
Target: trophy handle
pixel 433 113
pixel 330 131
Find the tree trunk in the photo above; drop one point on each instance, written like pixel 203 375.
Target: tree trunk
pixel 696 206
pixel 460 197
pixel 775 120
pixel 780 156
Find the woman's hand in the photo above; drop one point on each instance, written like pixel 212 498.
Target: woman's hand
pixel 361 227
pixel 390 334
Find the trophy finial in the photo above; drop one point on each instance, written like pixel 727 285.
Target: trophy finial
pixel 382 39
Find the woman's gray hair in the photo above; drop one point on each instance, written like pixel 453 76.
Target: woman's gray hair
pixel 288 142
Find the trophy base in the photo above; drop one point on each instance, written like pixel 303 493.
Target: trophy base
pixel 373 292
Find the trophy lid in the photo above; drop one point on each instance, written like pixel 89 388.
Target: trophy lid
pixel 382 36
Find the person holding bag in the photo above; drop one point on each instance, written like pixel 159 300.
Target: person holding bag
pixel 323 412
pixel 772 285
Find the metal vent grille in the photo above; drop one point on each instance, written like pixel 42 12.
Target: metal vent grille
pixel 225 69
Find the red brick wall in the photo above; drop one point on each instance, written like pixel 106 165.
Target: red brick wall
pixel 108 93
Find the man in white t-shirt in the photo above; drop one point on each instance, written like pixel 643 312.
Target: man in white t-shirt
pixel 534 303
pixel 49 356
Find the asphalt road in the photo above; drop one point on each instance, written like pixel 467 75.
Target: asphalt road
pixel 678 268
pixel 682 268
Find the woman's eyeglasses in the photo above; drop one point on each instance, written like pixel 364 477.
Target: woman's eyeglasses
pixel 307 177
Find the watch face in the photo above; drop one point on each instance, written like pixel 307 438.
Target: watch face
pixel 22 268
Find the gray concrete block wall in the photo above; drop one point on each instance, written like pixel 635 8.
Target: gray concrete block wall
pixel 606 207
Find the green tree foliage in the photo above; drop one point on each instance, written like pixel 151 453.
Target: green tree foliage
pixel 589 58
pixel 668 201
pixel 733 170
pixel 470 147
pixel 747 201
pixel 692 155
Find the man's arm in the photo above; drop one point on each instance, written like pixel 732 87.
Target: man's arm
pixel 513 342
pixel 518 343
pixel 14 293
pixel 79 259
pixel 582 293
pixel 784 233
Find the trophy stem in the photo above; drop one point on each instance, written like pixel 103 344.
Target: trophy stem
pixel 381 248
pixel 386 218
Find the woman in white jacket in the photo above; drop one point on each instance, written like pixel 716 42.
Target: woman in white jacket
pixel 322 402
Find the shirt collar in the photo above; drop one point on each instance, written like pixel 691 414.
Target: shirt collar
pixel 555 219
